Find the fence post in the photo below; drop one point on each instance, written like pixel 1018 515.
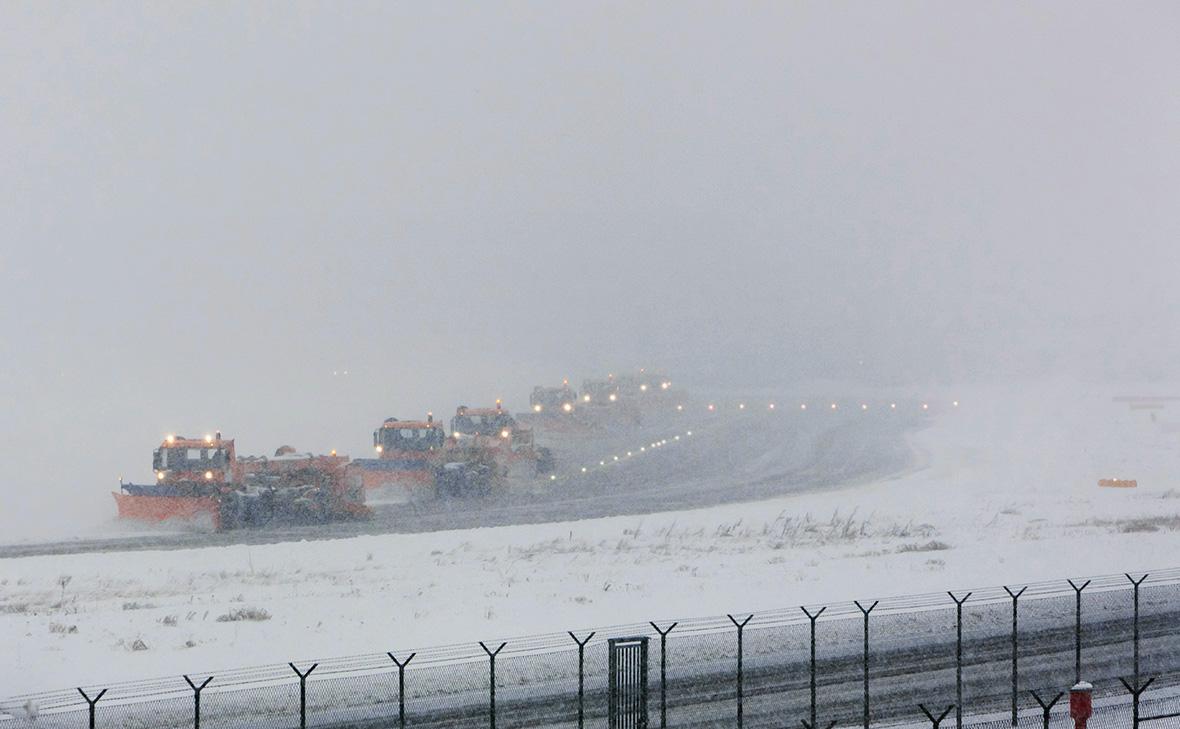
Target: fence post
pixel 492 680
pixel 1046 708
pixel 303 692
pixel 741 626
pixel 663 672
pixel 197 699
pixel 958 658
pixel 935 721
pixel 808 725
pixel 865 611
pixel 1015 644
pixel 91 702
pixel 1136 691
pixel 813 618
pixel 581 677
pixel 1135 638
pixel 401 687
pixel 1077 629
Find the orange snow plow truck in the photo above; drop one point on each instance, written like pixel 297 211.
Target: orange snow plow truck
pixel 495 430
pixel 203 481
pixel 408 453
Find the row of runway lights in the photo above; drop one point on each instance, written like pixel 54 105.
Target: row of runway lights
pixel 711 407
pixel 663 442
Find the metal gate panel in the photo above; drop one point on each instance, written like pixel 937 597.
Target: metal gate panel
pixel 627 666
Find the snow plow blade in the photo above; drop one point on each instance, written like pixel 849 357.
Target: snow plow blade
pixel 142 507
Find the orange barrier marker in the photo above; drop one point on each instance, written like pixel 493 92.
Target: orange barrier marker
pixel 1118 483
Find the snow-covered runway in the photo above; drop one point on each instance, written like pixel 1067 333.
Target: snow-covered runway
pixel 675 461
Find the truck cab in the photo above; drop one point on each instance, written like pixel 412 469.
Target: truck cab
pixel 482 422
pixel 407 437
pixel 553 400
pixel 194 463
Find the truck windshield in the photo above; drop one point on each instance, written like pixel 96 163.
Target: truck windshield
pixel 599 391
pixel 411 439
pixel 481 424
pixel 552 397
pixel 189 459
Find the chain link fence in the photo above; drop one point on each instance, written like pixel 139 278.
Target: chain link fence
pixel 991 657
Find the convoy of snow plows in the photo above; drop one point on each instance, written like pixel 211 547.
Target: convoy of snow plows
pixel 203 481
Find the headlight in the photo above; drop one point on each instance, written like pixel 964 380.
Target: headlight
pixel 208 475
pixel 170 438
pixel 585 398
pixel 536 408
pixel 208 438
pixel 665 385
pixel 504 433
pixel 159 475
pixel 613 397
pixel 643 388
pixel 379 449
pixel 567 407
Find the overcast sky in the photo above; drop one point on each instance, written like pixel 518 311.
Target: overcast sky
pixel 207 209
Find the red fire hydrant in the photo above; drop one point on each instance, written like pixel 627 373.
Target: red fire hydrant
pixel 1081 704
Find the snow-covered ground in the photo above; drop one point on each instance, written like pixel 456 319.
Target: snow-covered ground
pixel 1003 490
